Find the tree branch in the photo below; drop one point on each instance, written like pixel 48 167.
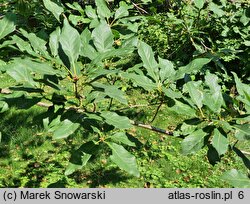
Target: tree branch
pixel 135 123
pixel 150 127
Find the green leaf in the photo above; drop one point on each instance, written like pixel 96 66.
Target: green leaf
pixel 187 129
pixel 236 179
pixel 215 96
pixel 171 93
pixel 81 156
pixel 38 44
pixel 76 6
pixel 21 101
pixel 0 137
pixel 90 12
pixel 244 92
pixel 76 20
pixel 245 18
pixel 121 52
pixel 195 92
pixel 123 138
pixel 43 68
pixel 64 129
pixel 96 72
pixel 141 81
pixel 194 142
pixel 113 92
pixel 245 118
pixel 199 3
pixel 71 43
pixel 112 118
pixel 6 43
pixel 2 66
pixel 23 45
pixel 103 37
pixel 123 159
pixel 54 8
pixel 242 88
pixel 216 9
pixel 102 9
pixel 85 37
pixel 122 11
pixel 54 41
pixel 223 124
pixel 86 49
pixel 220 142
pixel 21 74
pixel 71 168
pixel 242 131
pixel 247 43
pixel 166 69
pixel 183 109
pixel 7 25
pixel 3 106
pixel 148 59
pixel 193 67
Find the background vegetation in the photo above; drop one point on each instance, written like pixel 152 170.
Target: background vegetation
pixel 78 107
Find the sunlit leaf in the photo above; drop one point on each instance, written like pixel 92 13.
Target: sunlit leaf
pixel 242 131
pixel 199 3
pixel 123 159
pixel 216 9
pixel 236 179
pixel 102 9
pixel 64 129
pixel 123 138
pixel 54 41
pixel 71 168
pixel 81 156
pixel 38 44
pixel 112 118
pixel 3 106
pixel 21 74
pixel 113 92
pixel 7 25
pixel 194 142
pixel 141 80
pixel 148 59
pixel 215 97
pixel 166 69
pixel 195 92
pixel 122 11
pixel 90 12
pixel 71 43
pixel 103 37
pixel 193 67
pixel 183 109
pixel 87 50
pixel 220 142
pixel 54 8
pixel 24 46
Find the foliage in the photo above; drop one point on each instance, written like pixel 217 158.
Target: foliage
pixel 80 72
pixel 30 158
pixel 219 29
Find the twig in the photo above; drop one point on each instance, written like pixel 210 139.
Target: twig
pixel 156 112
pixel 150 127
pixel 137 105
pixel 139 8
pixel 45 105
pixel 135 123
pixel 244 152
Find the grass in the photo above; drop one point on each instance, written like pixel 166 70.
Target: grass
pixel 30 158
